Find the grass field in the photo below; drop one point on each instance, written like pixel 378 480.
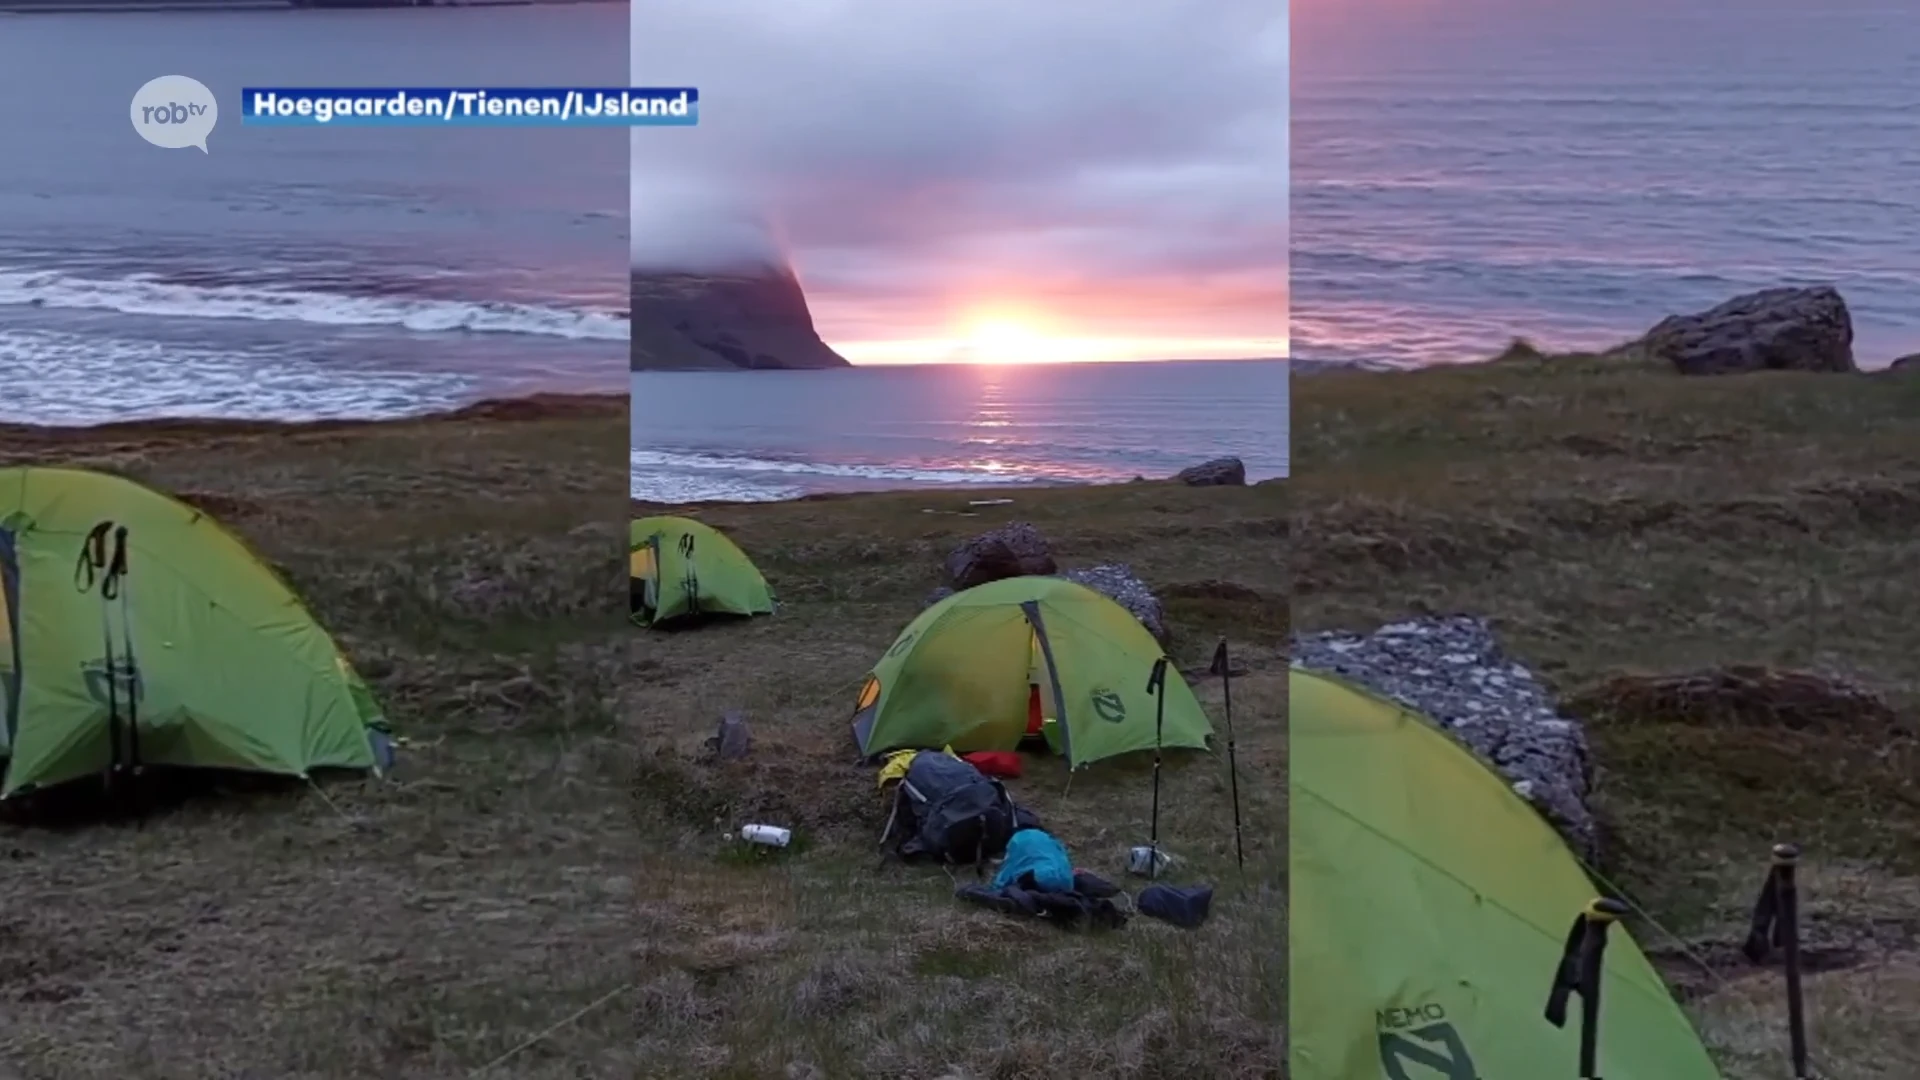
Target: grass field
pixel 1617 519
pixel 819 964
pixel 421 926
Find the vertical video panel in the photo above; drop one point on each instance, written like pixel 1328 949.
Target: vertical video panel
pixel 959 419
pixel 308 516
pixel 1605 496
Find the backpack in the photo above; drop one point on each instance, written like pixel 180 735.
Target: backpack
pixel 948 811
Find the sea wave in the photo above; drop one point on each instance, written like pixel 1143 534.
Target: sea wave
pixel 680 462
pixel 670 489
pixel 62 379
pixel 146 294
pixel 670 476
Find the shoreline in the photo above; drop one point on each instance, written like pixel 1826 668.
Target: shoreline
pixel 932 491
pixel 1627 350
pixel 991 490
pixel 1314 368
pixel 530 407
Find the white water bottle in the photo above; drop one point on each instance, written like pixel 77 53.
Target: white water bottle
pixel 1147 861
pixel 769 835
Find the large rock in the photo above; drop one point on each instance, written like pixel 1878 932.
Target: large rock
pixel 1787 329
pixel 753 318
pixel 733 740
pixel 1015 549
pixel 1226 471
pixel 1118 582
pixel 1453 671
pixel 1906 365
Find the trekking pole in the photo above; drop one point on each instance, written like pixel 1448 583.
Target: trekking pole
pixel 1581 965
pixel 1223 666
pixel 1776 922
pixel 117 582
pixel 1157 686
pixel 88 572
pixel 692 579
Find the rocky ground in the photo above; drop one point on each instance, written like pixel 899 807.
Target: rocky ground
pixel 1452 670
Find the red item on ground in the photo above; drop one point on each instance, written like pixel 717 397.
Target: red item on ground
pixel 1003 763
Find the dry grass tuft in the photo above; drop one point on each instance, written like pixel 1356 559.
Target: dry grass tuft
pixel 1738 696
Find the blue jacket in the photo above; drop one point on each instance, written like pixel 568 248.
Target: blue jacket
pixel 1036 850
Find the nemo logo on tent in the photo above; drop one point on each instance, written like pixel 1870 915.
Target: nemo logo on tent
pixel 128 685
pixel 900 647
pixel 1109 706
pixel 1418 1043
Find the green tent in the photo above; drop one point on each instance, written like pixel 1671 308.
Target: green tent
pixel 127 611
pixel 683 568
pixel 964 672
pixel 1429 906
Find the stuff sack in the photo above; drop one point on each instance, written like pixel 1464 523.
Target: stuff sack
pixel 1035 860
pixel 948 811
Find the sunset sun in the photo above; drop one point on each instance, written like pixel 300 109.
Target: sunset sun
pixel 1003 341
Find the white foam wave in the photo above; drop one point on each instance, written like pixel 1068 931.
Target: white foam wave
pixel 67 379
pixel 654 460
pixel 685 489
pixel 139 295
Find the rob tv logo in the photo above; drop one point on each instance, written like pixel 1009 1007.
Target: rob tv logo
pixel 175 112
pixel 171 113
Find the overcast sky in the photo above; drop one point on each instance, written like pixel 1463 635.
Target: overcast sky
pixel 1092 170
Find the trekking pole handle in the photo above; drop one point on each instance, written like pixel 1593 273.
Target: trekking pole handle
pixel 1600 914
pixel 1607 910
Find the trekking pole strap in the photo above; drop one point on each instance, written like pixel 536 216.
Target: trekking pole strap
pixel 1566 975
pixel 1580 957
pixel 1766 930
pixel 692 579
pixel 1786 933
pixel 93 557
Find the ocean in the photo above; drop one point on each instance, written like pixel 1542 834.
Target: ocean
pixel 770 435
pixel 296 272
pixel 1572 174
